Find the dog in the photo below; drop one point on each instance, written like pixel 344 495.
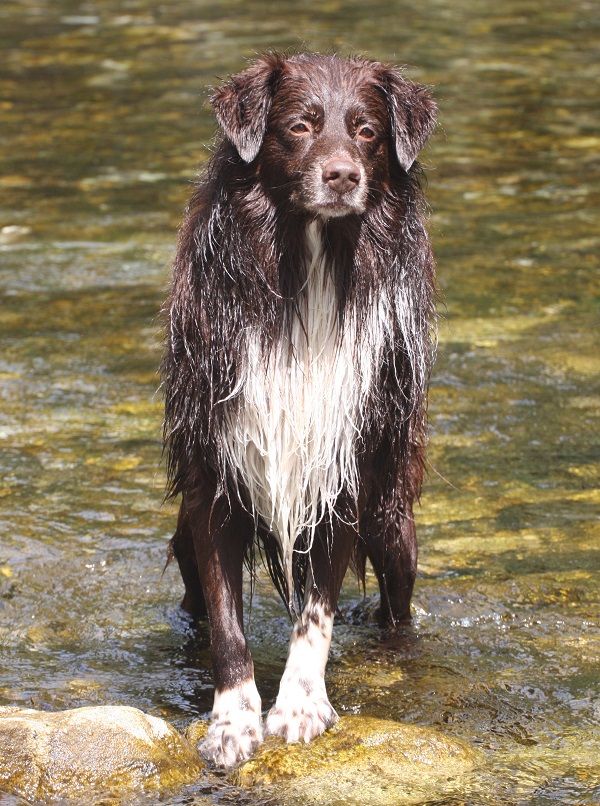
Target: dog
pixel 300 339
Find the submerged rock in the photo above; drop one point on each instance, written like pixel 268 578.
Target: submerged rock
pixel 367 761
pixel 105 750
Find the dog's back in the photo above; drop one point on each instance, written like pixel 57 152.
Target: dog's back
pixel 299 354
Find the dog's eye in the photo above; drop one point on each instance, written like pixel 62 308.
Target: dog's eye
pixel 365 133
pixel 300 128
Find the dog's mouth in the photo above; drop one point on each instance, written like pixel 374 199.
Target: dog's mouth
pixel 328 204
pixel 337 209
pixel 329 208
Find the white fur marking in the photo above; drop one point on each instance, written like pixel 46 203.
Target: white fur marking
pixel 302 709
pixel 291 426
pixel 236 729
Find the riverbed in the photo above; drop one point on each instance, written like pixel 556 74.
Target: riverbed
pixel 104 125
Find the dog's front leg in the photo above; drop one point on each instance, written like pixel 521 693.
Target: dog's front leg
pixel 302 709
pixel 236 728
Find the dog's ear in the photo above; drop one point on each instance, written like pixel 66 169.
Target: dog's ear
pixel 241 105
pixel 413 114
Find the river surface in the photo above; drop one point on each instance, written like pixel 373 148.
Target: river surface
pixel 103 124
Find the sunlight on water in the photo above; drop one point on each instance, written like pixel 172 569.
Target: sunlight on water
pixel 104 122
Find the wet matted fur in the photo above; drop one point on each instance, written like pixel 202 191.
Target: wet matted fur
pixel 300 342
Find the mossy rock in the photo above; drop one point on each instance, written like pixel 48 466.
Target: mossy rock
pixel 107 751
pixel 366 761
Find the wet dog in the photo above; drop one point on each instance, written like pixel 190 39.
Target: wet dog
pixel 299 350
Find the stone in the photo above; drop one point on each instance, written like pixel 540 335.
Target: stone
pixel 362 760
pixel 106 750
pixel 13 233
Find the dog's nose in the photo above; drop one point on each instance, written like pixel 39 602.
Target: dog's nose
pixel 341 175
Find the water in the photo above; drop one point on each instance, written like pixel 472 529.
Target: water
pixel 104 122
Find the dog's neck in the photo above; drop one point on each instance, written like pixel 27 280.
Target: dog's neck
pixel 314 241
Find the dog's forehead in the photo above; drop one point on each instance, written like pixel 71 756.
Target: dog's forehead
pixel 329 82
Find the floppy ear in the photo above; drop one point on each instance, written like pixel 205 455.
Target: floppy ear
pixel 413 114
pixel 242 104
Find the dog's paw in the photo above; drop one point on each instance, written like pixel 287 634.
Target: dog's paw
pixel 300 714
pixel 235 731
pixel 232 739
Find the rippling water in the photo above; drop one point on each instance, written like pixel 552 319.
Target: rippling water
pixel 103 123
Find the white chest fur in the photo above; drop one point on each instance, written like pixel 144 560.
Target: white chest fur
pixel 291 431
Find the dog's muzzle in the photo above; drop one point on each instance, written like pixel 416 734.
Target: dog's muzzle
pixel 342 189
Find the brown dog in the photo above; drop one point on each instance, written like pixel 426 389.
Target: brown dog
pixel 297 364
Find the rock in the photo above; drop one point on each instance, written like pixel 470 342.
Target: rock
pixel 13 233
pixel 196 731
pixel 106 750
pixel 366 761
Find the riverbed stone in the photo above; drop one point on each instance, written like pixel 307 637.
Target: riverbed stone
pixel 362 760
pixel 105 750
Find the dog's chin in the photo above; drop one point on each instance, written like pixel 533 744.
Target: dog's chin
pixel 336 209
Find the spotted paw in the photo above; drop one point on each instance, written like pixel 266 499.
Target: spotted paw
pixel 232 739
pixel 298 716
pixel 236 728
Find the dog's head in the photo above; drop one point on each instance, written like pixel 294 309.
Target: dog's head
pixel 325 134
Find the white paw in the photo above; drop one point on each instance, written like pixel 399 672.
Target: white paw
pixel 232 738
pixel 300 713
pixel 235 731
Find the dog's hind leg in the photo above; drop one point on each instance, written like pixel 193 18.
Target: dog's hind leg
pixel 389 539
pixel 182 548
pixel 220 538
pixel 302 709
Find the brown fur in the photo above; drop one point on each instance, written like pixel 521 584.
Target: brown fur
pixel 240 262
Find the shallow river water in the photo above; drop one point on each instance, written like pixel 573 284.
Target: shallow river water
pixel 103 124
